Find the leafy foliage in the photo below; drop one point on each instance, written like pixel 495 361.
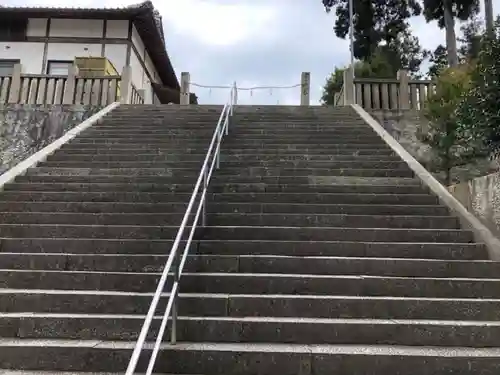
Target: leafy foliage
pixel 445 12
pixel 380 26
pixel 378 67
pixel 438 60
pixel 461 9
pixel 332 85
pixel 472 34
pixel 479 111
pixel 441 133
pixel 470 45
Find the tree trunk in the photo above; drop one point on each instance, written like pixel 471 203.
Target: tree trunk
pixel 488 15
pixel 451 39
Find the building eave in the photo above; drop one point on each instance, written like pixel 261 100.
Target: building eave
pixel 144 17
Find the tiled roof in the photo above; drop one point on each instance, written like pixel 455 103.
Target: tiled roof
pixel 146 19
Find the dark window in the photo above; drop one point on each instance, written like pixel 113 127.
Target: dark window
pixel 6 67
pixel 13 30
pixel 58 68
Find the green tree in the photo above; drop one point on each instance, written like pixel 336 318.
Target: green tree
pixel 445 12
pixel 332 85
pixel 378 67
pixel 380 26
pixel 468 51
pixel 479 112
pixel 438 60
pixel 472 35
pixel 442 131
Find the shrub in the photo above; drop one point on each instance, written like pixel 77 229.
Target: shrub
pixel 479 112
pixel 441 132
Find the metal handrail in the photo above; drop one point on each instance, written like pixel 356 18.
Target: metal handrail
pixel 171 308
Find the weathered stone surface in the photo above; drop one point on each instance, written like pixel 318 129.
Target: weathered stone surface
pixel 25 129
pixel 404 127
pixel 481 196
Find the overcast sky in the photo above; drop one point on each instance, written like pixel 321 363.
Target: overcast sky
pixel 253 42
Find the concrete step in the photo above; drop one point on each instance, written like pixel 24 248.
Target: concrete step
pixel 354 164
pixel 225 219
pixel 217 208
pixel 132 172
pixel 88 231
pixel 237 131
pixel 151 157
pixel 295 219
pixel 94 207
pixel 402 171
pixel 257 283
pixel 228 171
pixel 164 197
pixel 237 305
pixel 319 184
pixel 101 187
pixel 322 147
pixel 154 130
pixel 114 262
pixel 263 264
pixel 327 198
pixel 318 209
pixel 73 196
pixel 330 144
pixel 351 164
pixel 180 142
pixel 305 137
pixel 336 234
pixel 69 149
pixel 83 218
pixel 245 358
pixel 218 186
pixel 225 157
pixel 306 248
pixel 256 330
pixel 195 165
pixel 356 248
pixel 309 137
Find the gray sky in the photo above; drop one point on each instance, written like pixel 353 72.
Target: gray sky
pixel 253 42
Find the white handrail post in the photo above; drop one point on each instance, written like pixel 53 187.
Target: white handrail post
pixel 219 139
pixel 173 329
pixel 204 202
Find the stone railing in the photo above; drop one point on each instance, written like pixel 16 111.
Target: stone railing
pixel 400 93
pixel 136 97
pixel 46 89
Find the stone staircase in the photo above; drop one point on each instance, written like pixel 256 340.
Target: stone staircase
pixel 323 255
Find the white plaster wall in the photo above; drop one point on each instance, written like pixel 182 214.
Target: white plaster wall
pixel 30 54
pixel 36 27
pixel 60 27
pixel 117 55
pixel 68 51
pixel 137 71
pixel 151 69
pixel 136 39
pixel 117 29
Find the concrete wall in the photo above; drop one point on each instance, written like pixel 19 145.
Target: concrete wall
pixel 404 126
pixel 25 129
pixel 481 196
